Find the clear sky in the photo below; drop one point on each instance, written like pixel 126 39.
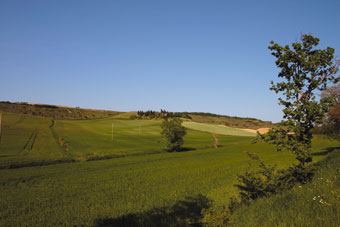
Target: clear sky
pixel 178 55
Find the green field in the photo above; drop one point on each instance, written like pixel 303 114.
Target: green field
pixel 130 180
pixel 218 129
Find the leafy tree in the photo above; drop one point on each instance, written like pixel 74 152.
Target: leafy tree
pixel 304 70
pixel 173 132
pixel 331 125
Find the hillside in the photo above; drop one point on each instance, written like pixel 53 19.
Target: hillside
pixel 202 117
pixel 217 129
pixel 55 112
pixel 76 113
pixel 236 122
pixel 125 180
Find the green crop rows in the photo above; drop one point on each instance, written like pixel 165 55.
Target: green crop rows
pixel 136 182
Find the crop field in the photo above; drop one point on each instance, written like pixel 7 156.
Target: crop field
pixel 126 179
pixel 218 129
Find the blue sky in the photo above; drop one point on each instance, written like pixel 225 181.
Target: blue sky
pixel 185 55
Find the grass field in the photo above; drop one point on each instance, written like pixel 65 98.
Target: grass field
pixel 218 129
pixel 138 184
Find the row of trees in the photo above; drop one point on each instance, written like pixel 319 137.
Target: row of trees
pixel 162 114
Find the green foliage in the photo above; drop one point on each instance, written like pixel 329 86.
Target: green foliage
pixel 314 204
pixel 304 70
pixel 262 183
pixel 331 124
pixel 162 114
pixel 173 132
pixel 268 181
pixel 218 217
pixel 133 117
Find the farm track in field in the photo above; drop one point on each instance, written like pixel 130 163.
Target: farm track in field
pixel 60 141
pixel 30 142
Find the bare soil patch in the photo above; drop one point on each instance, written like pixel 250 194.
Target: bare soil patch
pixel 260 130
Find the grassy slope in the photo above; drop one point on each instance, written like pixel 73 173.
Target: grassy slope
pixel 95 137
pixel 222 130
pixel 71 113
pixel 148 184
pixel 236 122
pixel 27 138
pixel 55 112
pixel 126 116
pixel 313 204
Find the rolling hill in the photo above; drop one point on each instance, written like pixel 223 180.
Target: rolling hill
pixel 116 172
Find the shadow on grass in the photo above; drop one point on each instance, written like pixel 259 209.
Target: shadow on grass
pixel 4 156
pixel 325 151
pixel 183 213
pixel 182 149
pixel 186 149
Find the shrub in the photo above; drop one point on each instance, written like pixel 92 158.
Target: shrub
pixel 173 132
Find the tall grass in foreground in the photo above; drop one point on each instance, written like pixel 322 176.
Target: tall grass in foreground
pixel 313 204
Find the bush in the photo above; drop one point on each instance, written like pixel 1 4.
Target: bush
pixel 268 180
pixel 265 182
pixel 173 132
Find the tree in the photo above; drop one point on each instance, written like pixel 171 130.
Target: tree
pixel 331 124
pixel 304 70
pixel 173 132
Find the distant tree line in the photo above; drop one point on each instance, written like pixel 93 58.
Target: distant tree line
pixel 163 113
pixel 150 114
pixel 217 115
